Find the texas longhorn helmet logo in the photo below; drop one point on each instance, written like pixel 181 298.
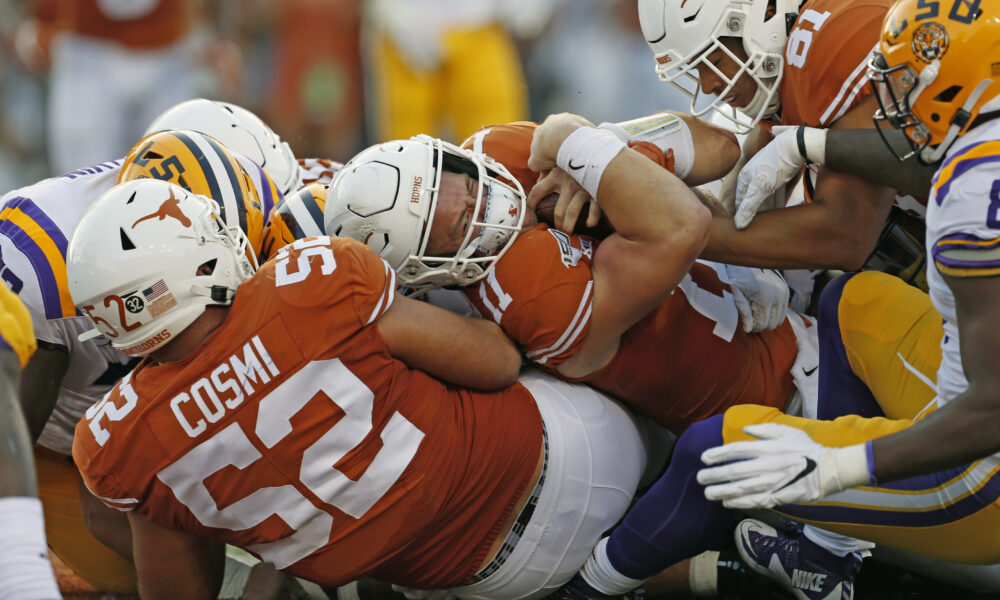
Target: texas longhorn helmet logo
pixel 171 207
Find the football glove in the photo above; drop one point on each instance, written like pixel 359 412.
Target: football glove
pixel 761 297
pixel 785 467
pixel 771 169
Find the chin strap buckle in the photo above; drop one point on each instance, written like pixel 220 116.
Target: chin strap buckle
pixel 220 293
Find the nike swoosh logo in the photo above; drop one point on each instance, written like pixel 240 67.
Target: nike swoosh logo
pixel 809 468
pixel 574 167
pixel 809 372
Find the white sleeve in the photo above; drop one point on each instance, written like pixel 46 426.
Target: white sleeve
pixel 666 131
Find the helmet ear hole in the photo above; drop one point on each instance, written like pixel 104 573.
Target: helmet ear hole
pixel 949 94
pixel 126 241
pixel 207 268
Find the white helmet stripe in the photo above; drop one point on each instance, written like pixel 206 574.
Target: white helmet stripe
pixel 221 178
pixel 303 218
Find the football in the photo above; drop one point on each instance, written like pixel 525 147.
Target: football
pixel 545 211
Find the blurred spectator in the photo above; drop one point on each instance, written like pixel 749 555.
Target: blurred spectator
pixel 114 65
pixel 593 61
pixel 316 98
pixel 447 67
pixel 22 120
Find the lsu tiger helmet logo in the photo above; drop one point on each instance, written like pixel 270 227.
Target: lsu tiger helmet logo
pixel 930 42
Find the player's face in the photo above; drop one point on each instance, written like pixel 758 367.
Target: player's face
pixel 453 215
pixel 745 88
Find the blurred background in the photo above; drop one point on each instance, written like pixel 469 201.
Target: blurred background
pixel 81 79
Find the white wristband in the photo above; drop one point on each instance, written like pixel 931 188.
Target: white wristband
pixel 25 571
pixel 852 466
pixel 812 144
pixel 585 153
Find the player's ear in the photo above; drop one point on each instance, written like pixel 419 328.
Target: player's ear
pixel 206 268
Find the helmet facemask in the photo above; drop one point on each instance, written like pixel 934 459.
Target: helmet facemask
pixel 498 215
pixel 935 78
pixel 685 73
pixel 896 88
pixel 684 35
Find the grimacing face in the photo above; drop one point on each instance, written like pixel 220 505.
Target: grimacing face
pixel 453 214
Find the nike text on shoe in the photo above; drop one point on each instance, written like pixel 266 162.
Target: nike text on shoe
pixel 805 569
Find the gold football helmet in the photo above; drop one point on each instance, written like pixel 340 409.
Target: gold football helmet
pixel 936 68
pixel 298 216
pixel 203 166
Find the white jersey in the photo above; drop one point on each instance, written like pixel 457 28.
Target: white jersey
pixel 963 235
pixel 318 170
pixel 36 223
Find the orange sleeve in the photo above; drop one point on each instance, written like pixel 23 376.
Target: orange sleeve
pixel 96 461
pixel 509 145
pixel 541 293
pixel 834 39
pixel 373 282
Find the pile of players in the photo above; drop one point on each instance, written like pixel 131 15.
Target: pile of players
pixel 356 406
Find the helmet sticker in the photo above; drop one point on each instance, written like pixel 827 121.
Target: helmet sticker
pixel 133 303
pixel 169 208
pixel 159 298
pixel 930 42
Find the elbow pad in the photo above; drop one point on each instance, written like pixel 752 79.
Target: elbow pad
pixel 665 131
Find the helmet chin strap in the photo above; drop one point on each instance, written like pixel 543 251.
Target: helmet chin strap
pixel 757 103
pixel 958 123
pixel 89 335
pixel 219 294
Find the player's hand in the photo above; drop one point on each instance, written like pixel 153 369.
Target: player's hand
pixel 549 136
pixel 762 297
pixel 572 198
pixel 767 173
pixel 785 467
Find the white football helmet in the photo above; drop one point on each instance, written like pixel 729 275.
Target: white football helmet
pixel 681 33
pixel 387 195
pixel 239 130
pixel 133 261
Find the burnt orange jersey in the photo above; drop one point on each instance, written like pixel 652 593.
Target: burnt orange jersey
pixel 510 145
pixel 687 360
pixel 146 24
pixel 293 433
pixel 826 59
